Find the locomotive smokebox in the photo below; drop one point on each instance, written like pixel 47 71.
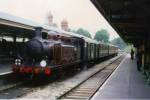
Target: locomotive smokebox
pixel 38 48
pixel 34 48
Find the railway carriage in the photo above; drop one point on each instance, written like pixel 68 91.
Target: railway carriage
pixel 103 50
pixel 113 50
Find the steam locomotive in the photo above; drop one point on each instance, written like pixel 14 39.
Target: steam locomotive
pixel 59 51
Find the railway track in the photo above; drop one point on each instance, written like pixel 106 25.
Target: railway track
pixel 14 89
pixel 8 80
pixel 21 88
pixel 86 89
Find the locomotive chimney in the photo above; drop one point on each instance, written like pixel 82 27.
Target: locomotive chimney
pixel 38 32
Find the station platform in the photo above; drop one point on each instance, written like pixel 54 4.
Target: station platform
pixel 124 83
pixel 5 68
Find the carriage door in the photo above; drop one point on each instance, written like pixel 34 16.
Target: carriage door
pixel 82 49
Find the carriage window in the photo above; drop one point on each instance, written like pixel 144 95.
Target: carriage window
pixel 85 45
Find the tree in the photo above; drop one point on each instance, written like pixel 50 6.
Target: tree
pixel 83 32
pixel 72 30
pixel 102 35
pixel 119 42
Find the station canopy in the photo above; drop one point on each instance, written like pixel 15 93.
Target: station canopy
pixel 130 18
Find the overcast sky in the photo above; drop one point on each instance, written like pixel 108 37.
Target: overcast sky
pixel 79 13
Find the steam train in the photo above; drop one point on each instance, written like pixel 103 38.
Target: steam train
pixel 45 54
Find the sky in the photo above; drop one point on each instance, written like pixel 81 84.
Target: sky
pixel 79 13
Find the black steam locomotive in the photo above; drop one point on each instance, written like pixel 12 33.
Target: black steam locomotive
pixel 44 55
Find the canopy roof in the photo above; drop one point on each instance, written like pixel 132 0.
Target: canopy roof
pixel 130 18
pixel 10 25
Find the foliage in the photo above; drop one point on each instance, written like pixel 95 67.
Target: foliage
pixel 74 31
pixel 83 32
pixel 102 35
pixel 128 48
pixel 119 42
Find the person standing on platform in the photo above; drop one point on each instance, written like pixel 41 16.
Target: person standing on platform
pixel 132 54
pixel 139 59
